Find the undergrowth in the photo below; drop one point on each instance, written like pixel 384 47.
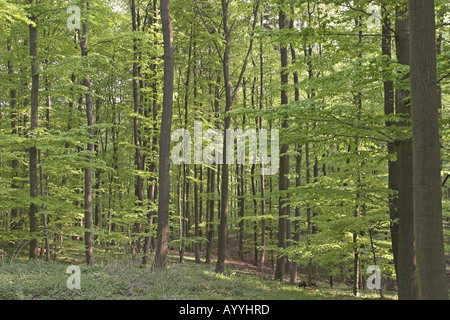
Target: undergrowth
pixel 119 280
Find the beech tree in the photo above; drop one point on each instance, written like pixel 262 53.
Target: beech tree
pixel 357 89
pixel 34 122
pixel 407 277
pixel 162 244
pixel 284 161
pixel 426 152
pixel 90 148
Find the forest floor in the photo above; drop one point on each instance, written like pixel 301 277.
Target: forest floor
pixel 120 279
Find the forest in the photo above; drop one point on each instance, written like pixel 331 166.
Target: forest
pixel 232 149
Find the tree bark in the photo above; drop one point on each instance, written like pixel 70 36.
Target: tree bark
pixel 34 124
pixel 223 226
pixel 255 211
pixel 229 95
pixel 298 162
pixel 406 277
pixel 283 184
pixel 152 185
pixel 432 280
pixel 262 254
pixel 389 109
pixel 162 244
pixel 14 130
pixel 210 232
pixel 41 174
pixel 90 149
pixel 241 205
pixel 137 141
pixel 98 172
pixel 196 216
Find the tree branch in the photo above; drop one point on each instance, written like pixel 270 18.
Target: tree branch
pixel 244 66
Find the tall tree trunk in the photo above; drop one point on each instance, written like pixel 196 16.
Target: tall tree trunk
pixel 308 213
pixel 98 172
pixel 255 211
pixel 223 226
pixel 298 183
pixel 44 217
pixel 210 232
pixel 152 185
pixel 298 161
pixel 90 149
pixel 14 130
pixel 196 214
pixel 406 277
pixel 45 192
pixel 357 276
pixel 262 254
pixel 253 180
pixel 308 50
pixel 229 94
pixel 389 109
pixel 284 161
pixel 432 280
pixel 137 141
pixel 33 253
pixel 198 186
pixel 240 173
pixel 162 244
pixel 185 214
pixel 185 206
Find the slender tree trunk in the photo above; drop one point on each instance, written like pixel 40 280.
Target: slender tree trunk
pixel 137 141
pixel 14 130
pixel 284 161
pixel 45 191
pixel 33 253
pixel 229 94
pixel 198 177
pixel 152 185
pixel 240 173
pixel 196 216
pixel 389 109
pixel 262 254
pixel 98 172
pixel 308 213
pixel 255 211
pixel 180 208
pixel 241 205
pixel 223 226
pixel 184 215
pixel 159 262
pixel 185 206
pixel 112 175
pixel 298 162
pixel 44 217
pixel 253 180
pixel 90 149
pixel 208 195
pixel 308 50
pixel 357 276
pixel 298 183
pixel 210 235
pixel 201 216
pixel 69 127
pixel 432 280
